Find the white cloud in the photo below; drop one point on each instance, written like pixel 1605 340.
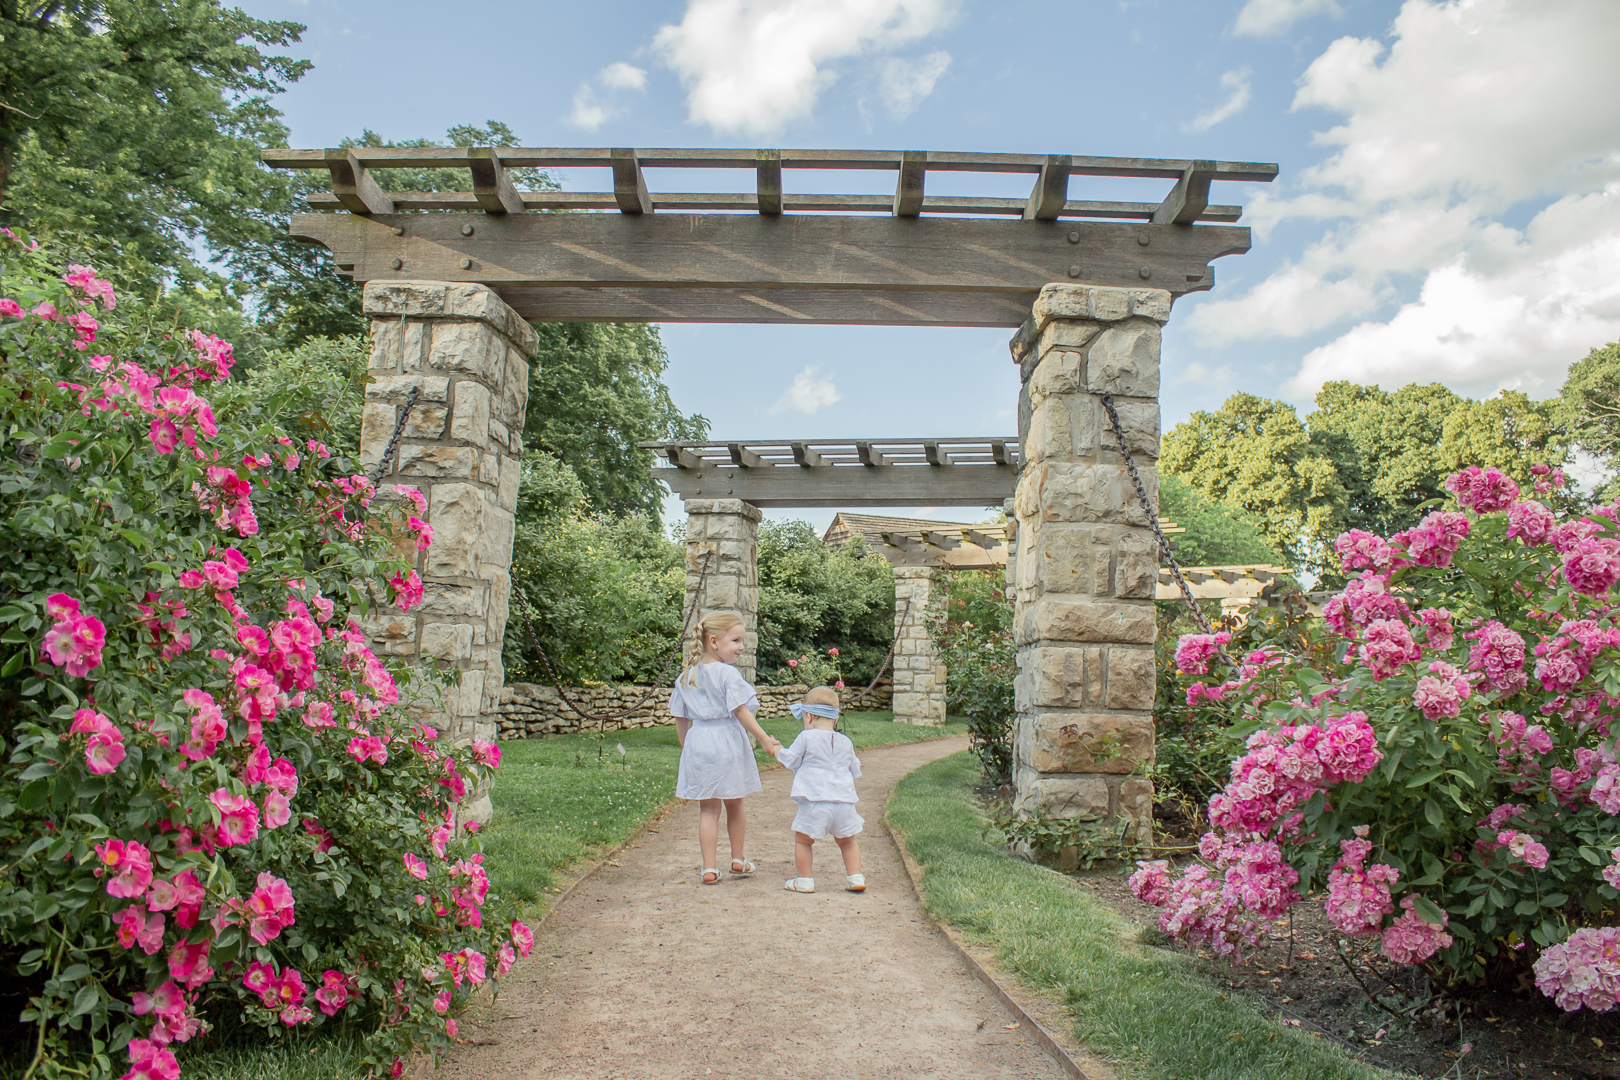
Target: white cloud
pixel 754 66
pixel 1262 18
pixel 808 394
pixel 1474 108
pixel 1199 372
pixel 591 109
pixel 906 82
pixel 622 76
pixel 1236 85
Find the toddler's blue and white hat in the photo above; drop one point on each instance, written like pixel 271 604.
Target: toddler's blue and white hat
pixel 799 708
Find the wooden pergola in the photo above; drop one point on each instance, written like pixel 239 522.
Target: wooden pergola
pixel 769 255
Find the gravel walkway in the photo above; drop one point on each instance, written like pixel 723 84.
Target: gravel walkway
pixel 644 972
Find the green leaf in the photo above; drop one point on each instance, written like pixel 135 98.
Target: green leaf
pixel 1428 911
pixel 1423 779
pixel 15 664
pixel 86 999
pixel 1432 811
pixel 1526 907
pixel 1553 900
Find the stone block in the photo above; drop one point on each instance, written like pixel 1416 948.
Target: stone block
pixel 436 462
pixel 1140 419
pixel 1131 675
pixel 1059 558
pixel 447 641
pixel 1083 798
pixel 1054 617
pixel 449 300
pixel 724 507
pixel 1048 436
pixel 395 388
pixel 470 349
pixel 471 420
pixel 391 631
pixel 1083 492
pixel 495 540
pixel 1151 304
pixel 1067 334
pixel 1065 301
pixel 1101 583
pixel 1059 678
pixel 1088 742
pixel 457 517
pixel 1060 372
pixel 1136 805
pixel 1124 361
pixel 386 339
pixel 442 601
pixel 425 422
pixel 507 489
pixel 377 421
pixel 1137 576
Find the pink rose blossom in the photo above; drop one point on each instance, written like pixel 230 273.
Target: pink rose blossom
pixel 523 937
pixel 148 1061
pixel 188 963
pixel 1194 651
pixel 1498 653
pixel 270 908
pixel 104 751
pixel 1530 521
pixel 1483 491
pixel 1437 627
pixel 1387 646
pixel 238 817
pixel 415 867
pixel 1412 939
pixel 128 866
pixel 1582 971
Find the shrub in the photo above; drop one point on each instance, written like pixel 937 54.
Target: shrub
pixel 976 646
pixel 213 807
pixel 813 597
pixel 1438 757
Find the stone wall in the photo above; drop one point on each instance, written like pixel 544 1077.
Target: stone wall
pixel 919 677
pixel 1086 562
pixel 530 710
pixel 466 352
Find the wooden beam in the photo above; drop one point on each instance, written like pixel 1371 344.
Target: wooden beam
pixel 682 459
pixel 831 259
pixel 1051 190
pixel 931 453
pixel 492 187
pixel 629 186
pixel 943 540
pixel 845 486
pixel 998 452
pixel 354 187
pixel 746 458
pixel 900 540
pixel 985 540
pixel 768 181
pixel 908 192
pixel 1189 197
pixel 804 456
pixel 868 456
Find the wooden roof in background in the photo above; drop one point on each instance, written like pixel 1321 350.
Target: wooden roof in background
pixel 770 254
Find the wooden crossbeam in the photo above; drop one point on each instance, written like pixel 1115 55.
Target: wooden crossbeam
pixel 804 456
pixel 1189 197
pixel 353 187
pixel 984 539
pixel 492 187
pixel 1051 190
pixel 868 456
pixel 741 455
pixel 908 193
pixel 629 185
pixel 682 458
pixel 942 539
pixel 768 181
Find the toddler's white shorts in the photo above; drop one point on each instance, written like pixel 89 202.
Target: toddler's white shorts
pixel 817 819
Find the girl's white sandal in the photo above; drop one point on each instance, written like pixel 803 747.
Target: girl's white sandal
pixel 711 870
pixel 747 870
pixel 800 884
pixel 855 883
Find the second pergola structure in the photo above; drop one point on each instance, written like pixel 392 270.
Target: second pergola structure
pixel 453 278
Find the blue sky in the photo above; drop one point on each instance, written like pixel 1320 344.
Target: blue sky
pixel 1448 207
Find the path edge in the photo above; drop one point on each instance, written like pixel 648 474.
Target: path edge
pixel 1054 1049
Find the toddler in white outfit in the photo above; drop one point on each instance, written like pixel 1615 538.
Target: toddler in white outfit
pixel 824 770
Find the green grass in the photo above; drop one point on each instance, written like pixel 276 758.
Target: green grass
pixel 1151 1010
pixel 563 800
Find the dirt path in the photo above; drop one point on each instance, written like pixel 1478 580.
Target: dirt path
pixel 645 973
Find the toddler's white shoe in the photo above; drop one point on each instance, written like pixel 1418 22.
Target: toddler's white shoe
pixel 855 883
pixel 800 884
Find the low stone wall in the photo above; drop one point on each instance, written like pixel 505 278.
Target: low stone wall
pixel 530 710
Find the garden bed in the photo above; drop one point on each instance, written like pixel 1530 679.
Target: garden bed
pixel 1511 1037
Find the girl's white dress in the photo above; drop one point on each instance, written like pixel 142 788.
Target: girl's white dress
pixel 717 761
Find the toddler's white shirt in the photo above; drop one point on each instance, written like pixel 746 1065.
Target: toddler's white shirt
pixel 824 766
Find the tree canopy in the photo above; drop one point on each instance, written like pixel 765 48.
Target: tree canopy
pixel 134 127
pixel 1364 458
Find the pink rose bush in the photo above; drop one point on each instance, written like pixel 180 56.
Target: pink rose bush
pixel 217 804
pixel 1436 757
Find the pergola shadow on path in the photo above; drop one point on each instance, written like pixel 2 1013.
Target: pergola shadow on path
pixel 1086 284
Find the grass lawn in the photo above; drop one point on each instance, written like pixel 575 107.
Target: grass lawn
pixel 562 800
pixel 1149 1009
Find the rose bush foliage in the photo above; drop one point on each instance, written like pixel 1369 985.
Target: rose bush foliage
pixel 1437 755
pixel 214 806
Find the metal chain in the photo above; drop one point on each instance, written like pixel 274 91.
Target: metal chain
pixel 1153 517
pixel 393 442
pixel 657 685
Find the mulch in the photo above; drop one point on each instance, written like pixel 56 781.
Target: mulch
pixel 1299 975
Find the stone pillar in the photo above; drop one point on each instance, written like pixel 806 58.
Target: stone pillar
pixel 727 530
pixel 919 677
pixel 460 447
pixel 1086 564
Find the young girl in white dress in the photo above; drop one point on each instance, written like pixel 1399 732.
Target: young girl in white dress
pixel 713 707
